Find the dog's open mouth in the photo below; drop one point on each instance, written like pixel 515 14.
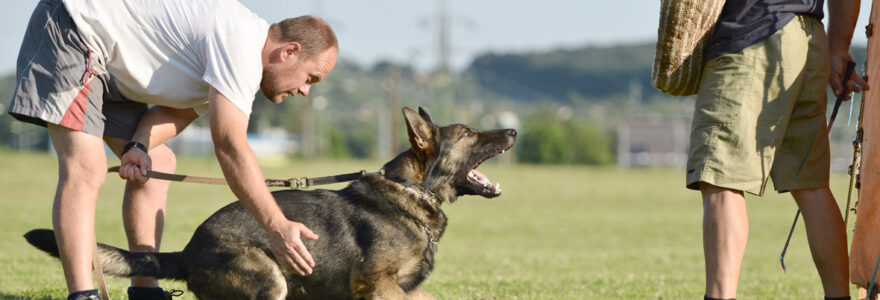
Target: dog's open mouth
pixel 481 183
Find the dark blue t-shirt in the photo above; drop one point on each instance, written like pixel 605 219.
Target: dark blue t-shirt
pixel 745 22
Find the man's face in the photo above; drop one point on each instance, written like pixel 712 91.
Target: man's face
pixel 296 75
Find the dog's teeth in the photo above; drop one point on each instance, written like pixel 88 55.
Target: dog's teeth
pixel 498 186
pixel 502 151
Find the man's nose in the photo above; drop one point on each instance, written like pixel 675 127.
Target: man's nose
pixel 304 90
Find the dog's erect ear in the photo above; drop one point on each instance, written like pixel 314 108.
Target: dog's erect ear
pixel 420 130
pixel 425 115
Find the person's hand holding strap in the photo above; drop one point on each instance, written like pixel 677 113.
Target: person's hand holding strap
pixel 135 162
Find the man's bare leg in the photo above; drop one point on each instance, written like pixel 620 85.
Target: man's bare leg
pixel 81 172
pixel 725 234
pixel 827 238
pixel 143 207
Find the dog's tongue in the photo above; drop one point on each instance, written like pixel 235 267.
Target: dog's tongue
pixel 480 177
pixel 484 181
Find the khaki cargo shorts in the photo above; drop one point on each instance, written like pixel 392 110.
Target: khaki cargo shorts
pixel 760 113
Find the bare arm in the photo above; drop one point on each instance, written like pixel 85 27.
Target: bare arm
pixel 157 126
pixel 842 17
pixel 229 132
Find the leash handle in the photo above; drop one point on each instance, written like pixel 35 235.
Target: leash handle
pixel 850 66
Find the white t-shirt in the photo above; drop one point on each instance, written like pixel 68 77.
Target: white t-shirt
pixel 170 52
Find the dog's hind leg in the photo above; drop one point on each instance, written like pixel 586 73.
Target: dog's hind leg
pixel 419 294
pixel 249 274
pixel 380 287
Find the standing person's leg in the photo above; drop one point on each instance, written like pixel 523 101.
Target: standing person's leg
pixel 725 234
pixel 745 99
pixel 827 238
pixel 143 206
pixel 143 210
pixel 81 172
pixel 803 162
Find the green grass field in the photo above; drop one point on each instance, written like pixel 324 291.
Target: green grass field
pixel 558 232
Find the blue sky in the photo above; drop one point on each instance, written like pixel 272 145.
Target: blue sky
pixel 403 31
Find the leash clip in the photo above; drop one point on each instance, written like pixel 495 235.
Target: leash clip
pixel 299 183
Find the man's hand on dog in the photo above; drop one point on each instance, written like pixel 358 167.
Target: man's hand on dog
pixel 135 164
pixel 285 240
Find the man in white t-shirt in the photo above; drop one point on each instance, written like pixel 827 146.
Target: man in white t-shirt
pixel 87 71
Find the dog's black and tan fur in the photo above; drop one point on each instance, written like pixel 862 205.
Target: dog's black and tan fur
pixel 377 236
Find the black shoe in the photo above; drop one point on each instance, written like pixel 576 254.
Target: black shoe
pixel 710 298
pixel 142 293
pixel 84 295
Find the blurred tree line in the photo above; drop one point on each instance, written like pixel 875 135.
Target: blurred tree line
pixel 566 104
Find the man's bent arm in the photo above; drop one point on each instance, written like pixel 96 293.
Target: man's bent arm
pixel 239 164
pixel 160 124
pixel 156 126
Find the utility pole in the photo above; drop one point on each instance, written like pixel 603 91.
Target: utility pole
pixel 443 38
pixel 394 108
pixel 309 139
pixel 443 78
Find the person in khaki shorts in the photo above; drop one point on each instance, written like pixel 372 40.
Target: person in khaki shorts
pixel 760 113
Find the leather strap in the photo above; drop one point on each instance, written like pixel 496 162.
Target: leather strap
pixel 295 183
pixel 99 274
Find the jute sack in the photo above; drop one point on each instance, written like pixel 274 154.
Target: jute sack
pixel 685 27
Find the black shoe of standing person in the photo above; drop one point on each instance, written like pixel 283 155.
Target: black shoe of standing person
pixel 142 293
pixel 705 297
pixel 84 295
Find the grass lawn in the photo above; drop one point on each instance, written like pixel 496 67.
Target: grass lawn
pixel 557 232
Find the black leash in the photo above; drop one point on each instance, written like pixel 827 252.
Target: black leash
pixel 850 66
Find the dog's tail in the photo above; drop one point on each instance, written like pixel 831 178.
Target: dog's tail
pixel 118 262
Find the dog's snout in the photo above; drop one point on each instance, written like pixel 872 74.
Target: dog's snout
pixel 511 132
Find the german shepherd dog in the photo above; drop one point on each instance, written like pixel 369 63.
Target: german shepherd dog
pixel 378 235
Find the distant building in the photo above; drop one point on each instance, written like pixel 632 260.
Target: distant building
pixel 197 141
pixel 650 141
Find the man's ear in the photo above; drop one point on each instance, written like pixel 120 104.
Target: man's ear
pixel 291 50
pixel 420 131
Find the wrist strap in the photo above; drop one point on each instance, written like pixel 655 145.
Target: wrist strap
pixel 133 144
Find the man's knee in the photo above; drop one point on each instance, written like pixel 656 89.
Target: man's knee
pixel 81 172
pixel 163 159
pixel 81 158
